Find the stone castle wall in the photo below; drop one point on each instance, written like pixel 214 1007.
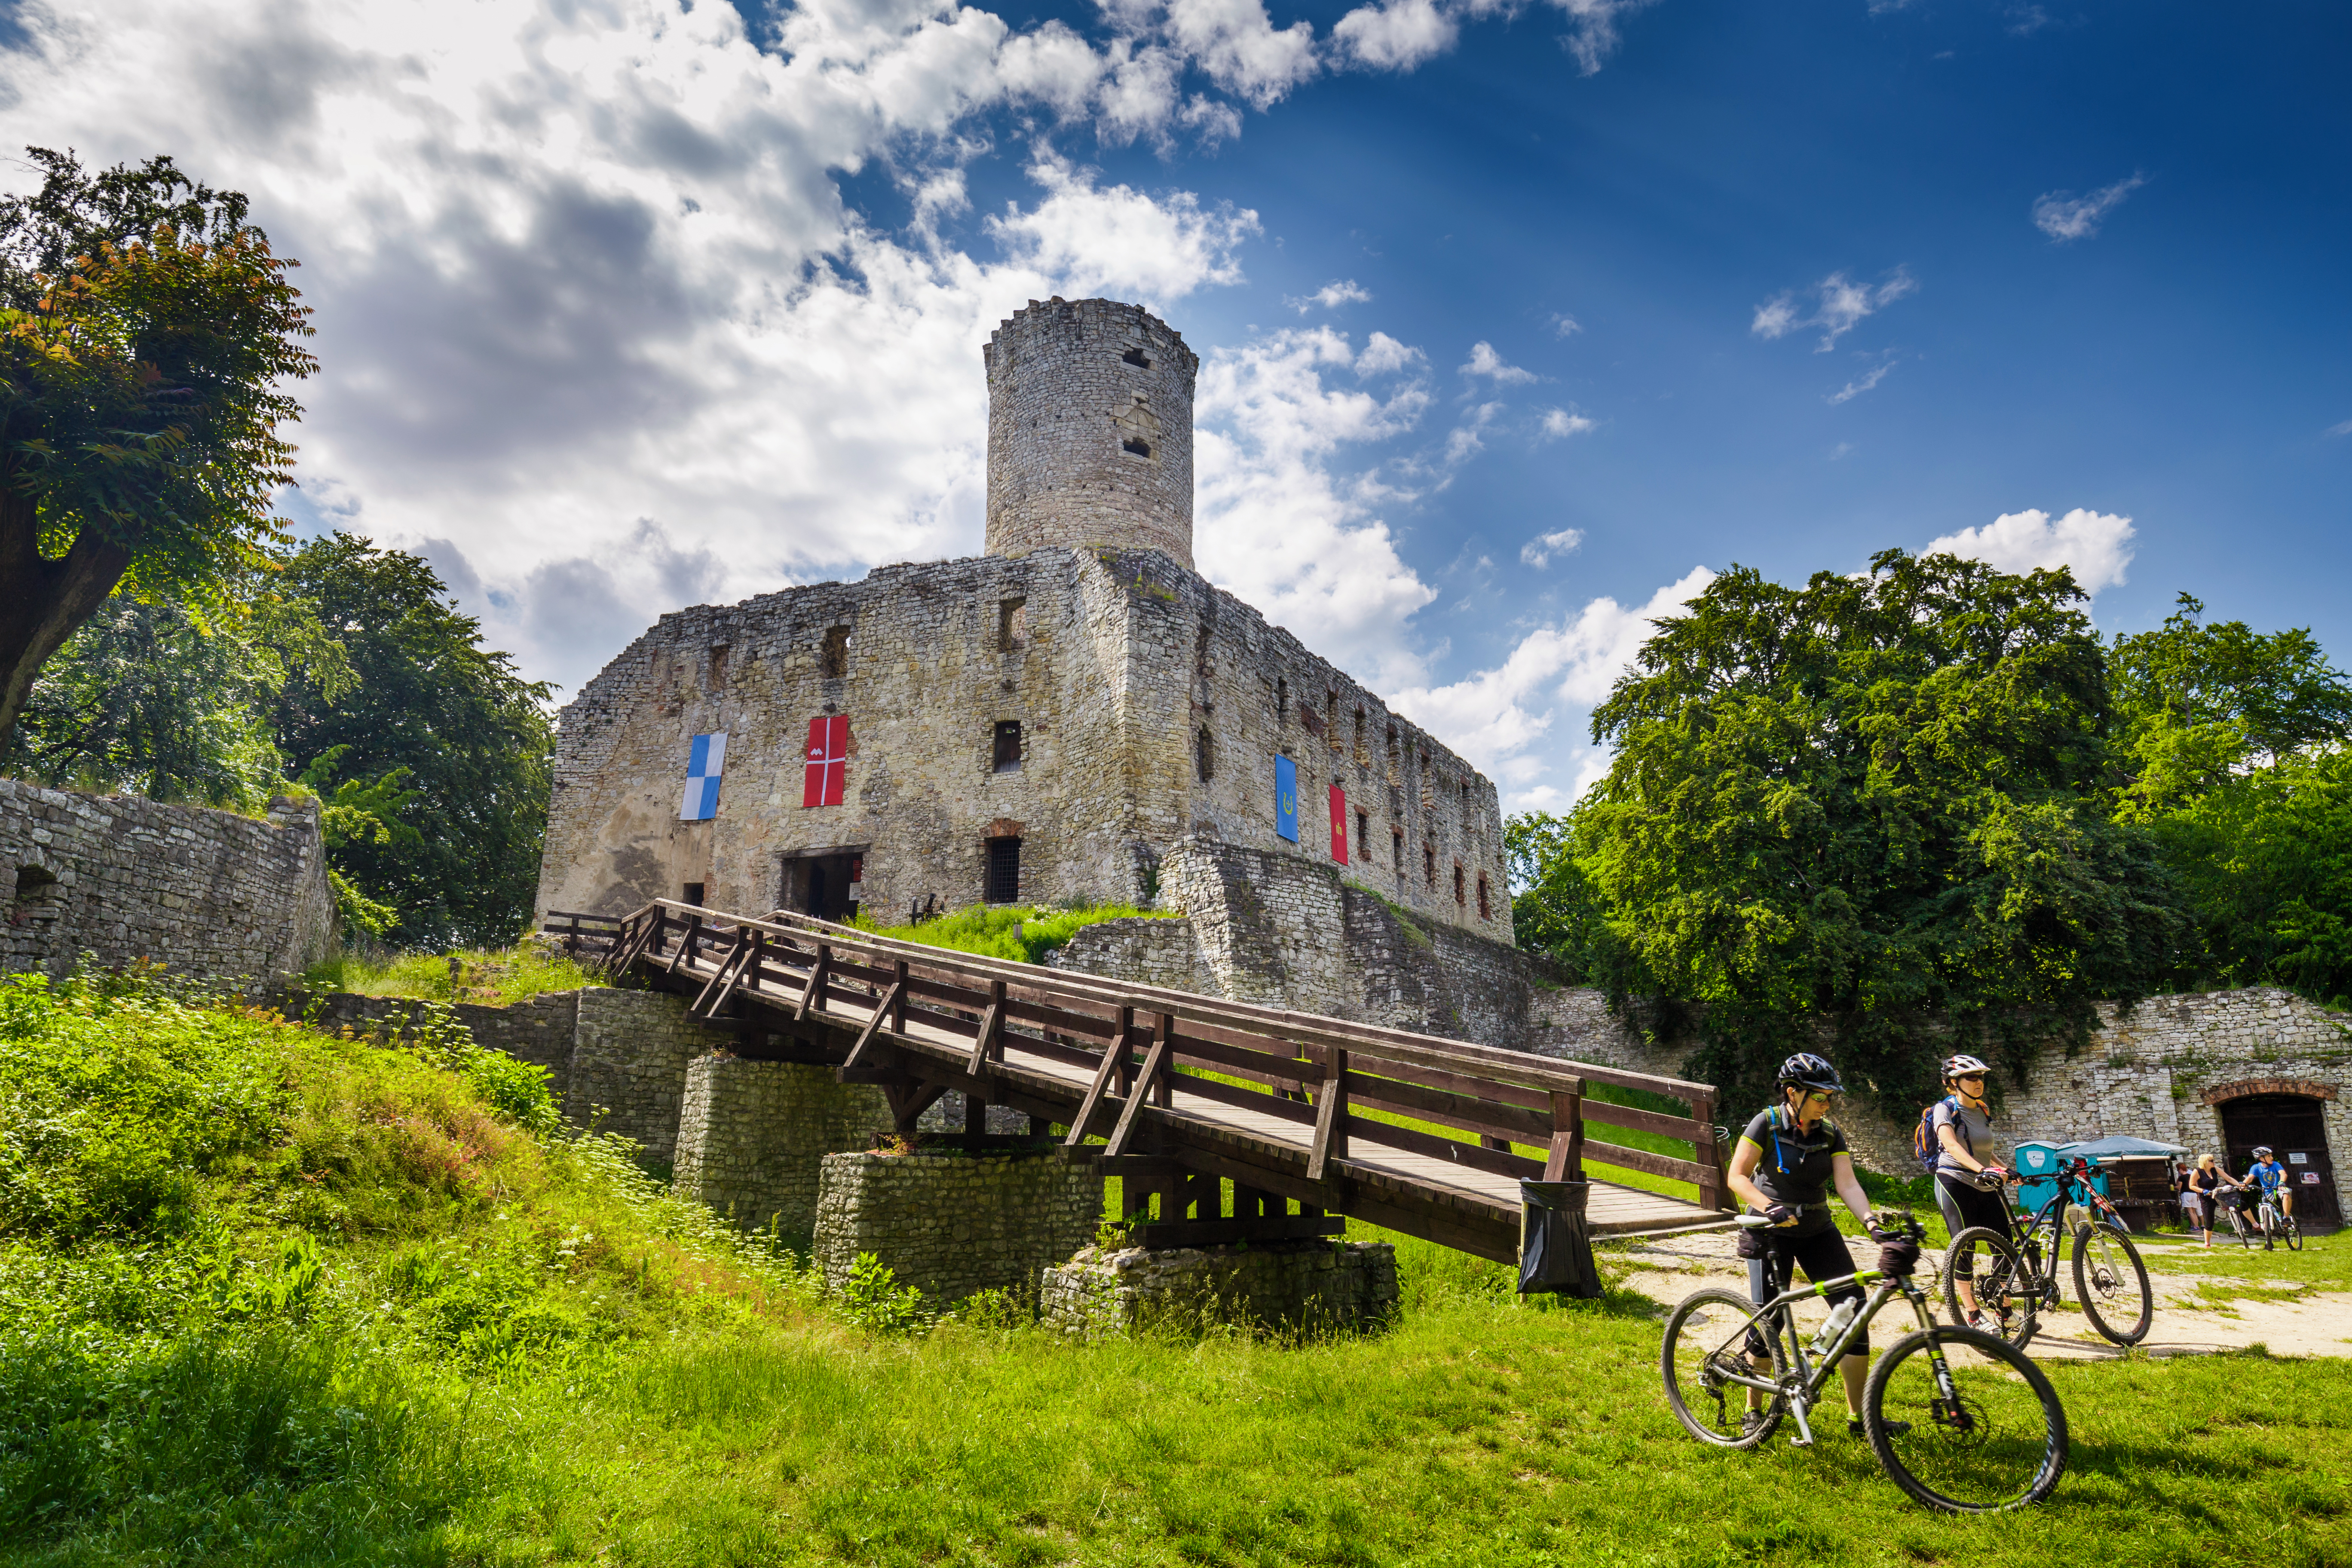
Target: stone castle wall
pixel 751 1134
pixel 1089 430
pixel 540 1030
pixel 953 1226
pixel 1115 666
pixel 209 893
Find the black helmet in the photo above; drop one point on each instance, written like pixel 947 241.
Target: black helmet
pixel 1812 1072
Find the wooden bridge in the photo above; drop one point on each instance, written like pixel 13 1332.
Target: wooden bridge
pixel 1425 1136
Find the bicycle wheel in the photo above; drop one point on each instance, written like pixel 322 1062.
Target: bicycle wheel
pixel 1706 1338
pixel 2111 1284
pixel 1996 1441
pixel 2007 1295
pixel 2291 1233
pixel 2246 1232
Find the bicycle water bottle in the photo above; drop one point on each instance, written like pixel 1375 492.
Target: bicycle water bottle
pixel 1835 1328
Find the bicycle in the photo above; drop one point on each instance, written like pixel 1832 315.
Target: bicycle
pixel 1961 1420
pixel 2275 1226
pixel 2021 1277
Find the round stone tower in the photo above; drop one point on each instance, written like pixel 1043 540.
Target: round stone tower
pixel 1089 430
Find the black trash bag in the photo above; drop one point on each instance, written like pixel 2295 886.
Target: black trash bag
pixel 1555 1246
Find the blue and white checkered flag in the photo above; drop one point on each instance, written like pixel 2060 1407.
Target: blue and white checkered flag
pixel 704 763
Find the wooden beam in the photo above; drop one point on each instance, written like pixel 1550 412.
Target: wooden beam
pixel 1155 1061
pixel 1330 1123
pixel 898 996
pixel 985 1045
pixel 685 944
pixel 719 981
pixel 866 1035
pixel 810 993
pixel 1565 1159
pixel 1113 1058
pixel 1225 1232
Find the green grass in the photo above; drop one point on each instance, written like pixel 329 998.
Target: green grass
pixel 271 1298
pixel 492 977
pixel 1022 933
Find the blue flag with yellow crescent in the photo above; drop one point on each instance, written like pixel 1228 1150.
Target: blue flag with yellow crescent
pixel 1285 798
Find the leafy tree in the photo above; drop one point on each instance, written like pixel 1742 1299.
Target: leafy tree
pixel 1865 804
pixel 440 744
pixel 146 333
pixel 2202 704
pixel 2266 857
pixel 1554 908
pixel 154 699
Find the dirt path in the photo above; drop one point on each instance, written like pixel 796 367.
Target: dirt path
pixel 2284 1317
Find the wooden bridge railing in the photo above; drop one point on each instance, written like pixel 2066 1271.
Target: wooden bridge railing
pixel 1381 1115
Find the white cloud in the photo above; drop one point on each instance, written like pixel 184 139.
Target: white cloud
pixel 1486 361
pixel 2064 217
pixel 2336 431
pixel 1383 355
pixel 1558 422
pixel 1853 389
pixel 1538 552
pixel 1496 716
pixel 1841 304
pixel 1564 325
pixel 1277 523
pixel 1331 296
pixel 1398 34
pixel 1593 34
pixel 1121 240
pixel 2097 545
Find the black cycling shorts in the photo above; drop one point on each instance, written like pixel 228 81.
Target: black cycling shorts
pixel 1965 1204
pixel 1770 1254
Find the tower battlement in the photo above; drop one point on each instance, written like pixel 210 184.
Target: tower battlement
pixel 1089 430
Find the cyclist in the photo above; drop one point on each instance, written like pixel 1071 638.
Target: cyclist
pixel 2203 1197
pixel 1968 1169
pixel 2267 1177
pixel 1785 1162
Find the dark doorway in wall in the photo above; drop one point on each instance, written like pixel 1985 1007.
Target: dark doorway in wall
pixel 826 883
pixel 691 894
pixel 2293 1125
pixel 1004 871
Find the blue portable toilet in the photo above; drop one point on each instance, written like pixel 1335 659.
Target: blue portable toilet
pixel 2037 1164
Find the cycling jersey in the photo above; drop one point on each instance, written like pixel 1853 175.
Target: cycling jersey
pixel 1797 1165
pixel 2267 1175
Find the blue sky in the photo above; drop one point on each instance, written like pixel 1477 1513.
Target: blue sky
pixel 628 308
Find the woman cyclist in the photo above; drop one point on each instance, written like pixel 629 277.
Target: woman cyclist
pixel 2202 1196
pixel 1968 1169
pixel 1786 1160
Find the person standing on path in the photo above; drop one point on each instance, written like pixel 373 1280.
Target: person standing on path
pixel 1786 1160
pixel 1969 1168
pixel 2202 1194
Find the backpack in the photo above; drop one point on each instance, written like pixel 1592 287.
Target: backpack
pixel 1926 1147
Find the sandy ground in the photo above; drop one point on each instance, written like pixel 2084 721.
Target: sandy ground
pixel 2315 1323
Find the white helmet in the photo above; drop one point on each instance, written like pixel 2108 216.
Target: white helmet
pixel 1963 1067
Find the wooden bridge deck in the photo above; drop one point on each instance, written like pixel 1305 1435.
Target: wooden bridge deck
pixel 1419 1134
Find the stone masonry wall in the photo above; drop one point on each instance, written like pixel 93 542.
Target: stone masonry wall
pixel 752 1135
pixel 953 1226
pixel 1301 1287
pixel 1089 430
pixel 539 1029
pixel 629 1058
pixel 207 892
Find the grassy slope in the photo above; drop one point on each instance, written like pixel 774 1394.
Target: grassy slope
pixel 490 978
pixel 267 1298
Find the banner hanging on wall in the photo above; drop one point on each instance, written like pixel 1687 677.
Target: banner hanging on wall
pixel 1285 798
pixel 1339 825
pixel 828 761
pixel 706 759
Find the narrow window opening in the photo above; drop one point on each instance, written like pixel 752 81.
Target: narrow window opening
pixel 1135 444
pixel 1136 358
pixel 691 894
pixel 1011 625
pixel 1004 871
pixel 1282 702
pixel 1396 843
pixel 1429 863
pixel 1485 910
pixel 718 667
pixel 1007 757
pixel 1360 735
pixel 1205 757
pixel 34 882
pixel 1364 833
pixel 834 662
pixel 1457 885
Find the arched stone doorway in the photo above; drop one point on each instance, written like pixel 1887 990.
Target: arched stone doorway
pixel 2286 1114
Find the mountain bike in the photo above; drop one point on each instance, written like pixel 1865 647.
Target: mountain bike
pixel 2275 1226
pixel 1961 1420
pixel 2019 1279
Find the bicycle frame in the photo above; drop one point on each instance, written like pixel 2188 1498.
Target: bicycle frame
pixel 1804 1390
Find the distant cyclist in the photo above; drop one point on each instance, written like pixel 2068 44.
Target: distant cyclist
pixel 1969 1168
pixel 2268 1178
pixel 1786 1160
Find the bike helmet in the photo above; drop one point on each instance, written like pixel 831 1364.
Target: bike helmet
pixel 1963 1067
pixel 2261 1151
pixel 1811 1071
